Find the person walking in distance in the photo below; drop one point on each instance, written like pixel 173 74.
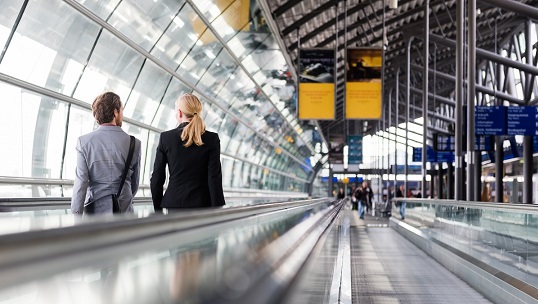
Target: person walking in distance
pixel 103 166
pixel 364 195
pixel 193 157
pixel 400 194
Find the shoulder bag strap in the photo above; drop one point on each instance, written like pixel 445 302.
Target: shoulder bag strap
pixel 127 163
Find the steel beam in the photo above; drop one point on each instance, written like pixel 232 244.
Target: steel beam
pixel 478 87
pixel 488 55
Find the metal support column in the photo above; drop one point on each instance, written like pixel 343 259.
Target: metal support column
pixel 330 191
pixel 440 181
pixel 382 141
pixel 388 135
pixel 527 169
pixel 426 45
pixel 478 175
pixel 528 140
pixel 499 170
pixel 450 181
pixel 408 103
pixel 471 76
pixel 458 178
pixel 396 125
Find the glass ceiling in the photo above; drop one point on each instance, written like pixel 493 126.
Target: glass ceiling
pixel 60 54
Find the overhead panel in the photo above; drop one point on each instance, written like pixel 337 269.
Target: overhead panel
pixel 316 84
pixel 363 83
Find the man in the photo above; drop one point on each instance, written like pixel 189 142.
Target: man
pixel 101 157
pixel 364 195
pixel 400 193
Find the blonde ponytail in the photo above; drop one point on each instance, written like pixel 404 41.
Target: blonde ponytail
pixel 191 106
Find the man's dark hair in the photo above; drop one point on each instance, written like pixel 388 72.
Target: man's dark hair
pixel 104 105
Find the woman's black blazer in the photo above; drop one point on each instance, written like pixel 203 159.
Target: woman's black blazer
pixel 195 172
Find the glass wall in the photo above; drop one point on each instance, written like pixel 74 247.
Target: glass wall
pixel 59 55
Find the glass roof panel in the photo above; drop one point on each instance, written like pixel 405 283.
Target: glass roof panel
pixel 144 21
pixel 50 45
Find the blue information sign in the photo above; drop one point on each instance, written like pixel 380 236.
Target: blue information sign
pixel 490 120
pixel 354 152
pixel 411 169
pixel 445 157
pixel 431 155
pixel 444 142
pixel 522 120
pixel 484 143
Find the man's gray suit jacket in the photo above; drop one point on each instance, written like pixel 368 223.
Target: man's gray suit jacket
pixel 101 157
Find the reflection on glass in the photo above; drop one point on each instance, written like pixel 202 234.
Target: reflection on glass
pixel 102 8
pixel 50 45
pixel 147 93
pixel 165 118
pixel 200 57
pixel 178 38
pixel 144 21
pixel 217 74
pixel 113 66
pixel 8 15
pixel 36 127
pixel 204 269
pixel 81 121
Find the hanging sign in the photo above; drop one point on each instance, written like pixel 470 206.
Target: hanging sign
pixel 354 149
pixel 363 83
pixel 522 120
pixel 316 84
pixel 490 120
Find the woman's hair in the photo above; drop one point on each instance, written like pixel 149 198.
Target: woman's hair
pixel 191 107
pixel 104 105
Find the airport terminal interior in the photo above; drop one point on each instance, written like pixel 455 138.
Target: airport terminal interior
pixel 428 106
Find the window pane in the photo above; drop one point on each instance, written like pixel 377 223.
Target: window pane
pixel 178 38
pixel 102 8
pixel 113 66
pixel 147 93
pixel 81 121
pixel 166 117
pixel 8 15
pixel 233 19
pixel 50 46
pixel 200 57
pixel 149 159
pixel 211 9
pixel 144 21
pixel 217 74
pixel 36 134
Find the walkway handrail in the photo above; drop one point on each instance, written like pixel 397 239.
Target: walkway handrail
pixel 470 204
pixel 49 251
pixel 283 260
pixel 17 203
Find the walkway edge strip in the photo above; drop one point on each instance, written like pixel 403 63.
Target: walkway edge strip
pixel 341 284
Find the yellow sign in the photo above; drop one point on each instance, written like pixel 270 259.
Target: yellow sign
pixel 345 180
pixel 363 83
pixel 363 100
pixel 316 84
pixel 316 101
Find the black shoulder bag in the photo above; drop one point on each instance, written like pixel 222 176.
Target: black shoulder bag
pixel 90 208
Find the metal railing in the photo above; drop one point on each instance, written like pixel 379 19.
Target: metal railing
pixel 40 254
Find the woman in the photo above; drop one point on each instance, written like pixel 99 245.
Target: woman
pixel 193 157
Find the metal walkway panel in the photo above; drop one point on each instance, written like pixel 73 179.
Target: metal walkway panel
pixel 387 268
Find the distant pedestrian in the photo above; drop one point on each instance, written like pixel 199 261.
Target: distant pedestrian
pixel 364 196
pixel 340 194
pixel 400 194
